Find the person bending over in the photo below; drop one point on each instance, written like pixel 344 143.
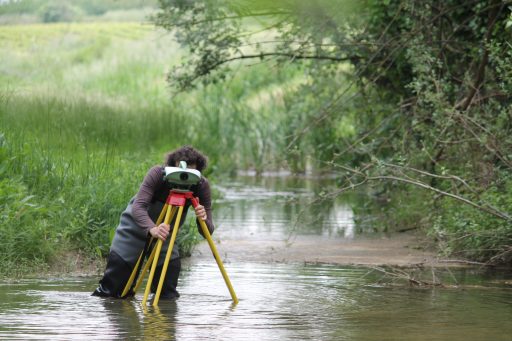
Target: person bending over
pixel 137 223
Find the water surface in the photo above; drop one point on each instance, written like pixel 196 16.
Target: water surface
pixel 278 301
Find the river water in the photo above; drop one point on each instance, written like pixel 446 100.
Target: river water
pixel 278 300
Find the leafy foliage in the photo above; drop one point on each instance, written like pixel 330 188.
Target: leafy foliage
pixel 421 85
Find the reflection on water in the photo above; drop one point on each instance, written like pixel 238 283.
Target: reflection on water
pixel 273 208
pixel 277 301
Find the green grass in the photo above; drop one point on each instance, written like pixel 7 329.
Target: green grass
pixel 85 110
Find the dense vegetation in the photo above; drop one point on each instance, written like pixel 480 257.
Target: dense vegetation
pixel 84 111
pixel 408 97
pixel 411 95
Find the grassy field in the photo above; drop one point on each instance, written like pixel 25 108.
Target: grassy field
pixel 85 109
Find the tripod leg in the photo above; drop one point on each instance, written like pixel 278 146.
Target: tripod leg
pixel 155 258
pixel 168 256
pixel 149 261
pixel 142 255
pixel 145 270
pixel 208 236
pixel 206 233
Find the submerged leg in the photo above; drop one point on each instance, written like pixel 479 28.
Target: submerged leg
pixel 114 278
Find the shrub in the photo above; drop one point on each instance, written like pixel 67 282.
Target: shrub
pixel 59 11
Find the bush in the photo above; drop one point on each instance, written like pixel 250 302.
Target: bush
pixel 474 234
pixel 59 12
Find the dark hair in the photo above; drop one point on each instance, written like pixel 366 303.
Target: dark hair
pixel 188 154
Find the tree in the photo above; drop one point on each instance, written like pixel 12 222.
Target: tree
pixel 424 84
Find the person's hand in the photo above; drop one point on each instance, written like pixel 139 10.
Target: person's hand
pixel 161 231
pixel 200 212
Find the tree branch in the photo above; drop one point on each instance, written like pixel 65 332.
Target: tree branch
pixel 230 17
pixel 491 211
pixel 366 178
pixel 280 54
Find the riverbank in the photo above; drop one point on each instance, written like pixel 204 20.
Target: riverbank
pixel 401 249
pixel 398 250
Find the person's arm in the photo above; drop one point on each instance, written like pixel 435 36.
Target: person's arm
pixel 151 182
pixel 205 200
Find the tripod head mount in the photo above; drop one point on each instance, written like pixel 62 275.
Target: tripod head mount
pixel 181 177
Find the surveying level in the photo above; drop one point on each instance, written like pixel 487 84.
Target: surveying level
pixel 179 179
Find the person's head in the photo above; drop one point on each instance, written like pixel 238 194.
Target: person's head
pixel 191 156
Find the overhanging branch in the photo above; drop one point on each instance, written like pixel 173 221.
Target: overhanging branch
pixel 367 178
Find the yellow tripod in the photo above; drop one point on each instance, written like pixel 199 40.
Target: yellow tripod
pixel 174 204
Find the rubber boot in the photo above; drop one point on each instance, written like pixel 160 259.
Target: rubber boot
pixel 171 280
pixel 115 277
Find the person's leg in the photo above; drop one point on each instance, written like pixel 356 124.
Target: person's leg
pixel 115 277
pixel 171 279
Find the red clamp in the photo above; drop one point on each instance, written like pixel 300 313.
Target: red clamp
pixel 180 198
